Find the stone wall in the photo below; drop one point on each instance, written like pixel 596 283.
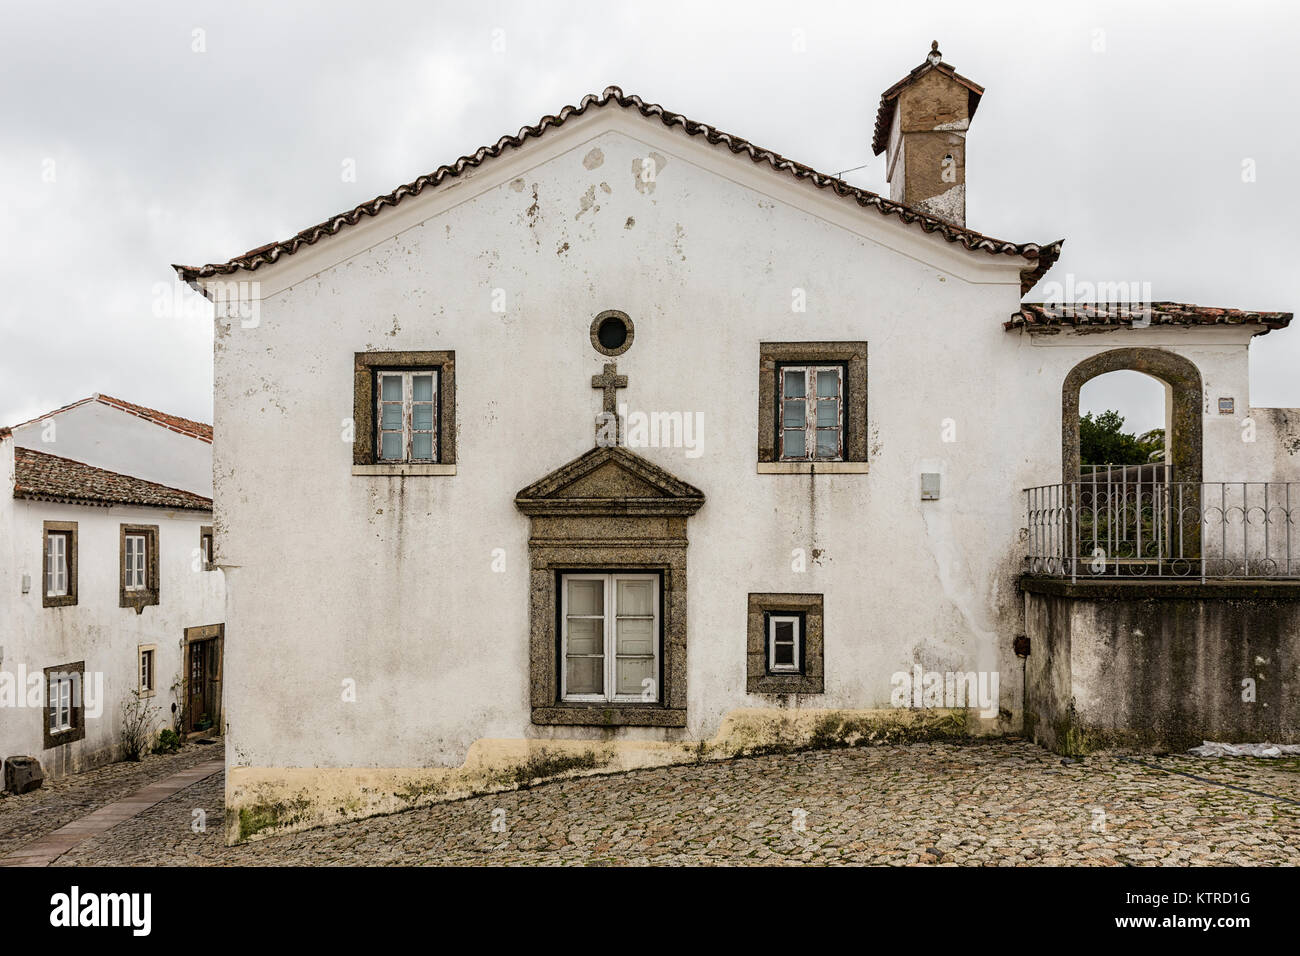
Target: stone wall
pixel 1161 665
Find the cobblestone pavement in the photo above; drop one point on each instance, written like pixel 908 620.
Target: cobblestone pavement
pixel 1003 803
pixel 25 817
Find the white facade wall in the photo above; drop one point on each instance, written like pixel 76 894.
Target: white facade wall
pixel 119 441
pixel 94 630
pixel 388 581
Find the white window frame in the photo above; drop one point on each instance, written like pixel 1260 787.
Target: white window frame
pixel 810 427
pixel 610 618
pixel 136 570
pixel 408 421
pixel 56 563
pixel 60 691
pixel 772 666
pixel 148 673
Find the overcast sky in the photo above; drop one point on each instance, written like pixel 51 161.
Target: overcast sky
pixel 130 141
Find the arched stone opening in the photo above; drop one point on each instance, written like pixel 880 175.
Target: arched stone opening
pixel 1183 434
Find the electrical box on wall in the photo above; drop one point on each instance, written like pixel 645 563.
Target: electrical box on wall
pixel 27 583
pixel 929 486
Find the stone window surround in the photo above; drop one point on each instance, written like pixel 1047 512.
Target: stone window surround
pixel 601 532
pixel 599 320
pixel 365 460
pixel 78 729
pixel 70 529
pixel 153 671
pixel 149 595
pixel 757 678
pixel 547 567
pixel 853 356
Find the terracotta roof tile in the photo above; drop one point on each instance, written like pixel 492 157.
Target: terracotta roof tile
pixel 43 477
pixel 1041 254
pixel 1049 318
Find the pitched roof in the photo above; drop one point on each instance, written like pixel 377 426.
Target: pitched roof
pixel 1041 254
pixel 184 426
pixel 44 477
pixel 889 98
pixel 1038 317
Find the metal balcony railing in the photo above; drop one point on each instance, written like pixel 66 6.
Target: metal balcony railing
pixel 1127 522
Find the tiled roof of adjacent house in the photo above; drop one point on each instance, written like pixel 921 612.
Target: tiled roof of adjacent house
pixel 1037 317
pixel 45 477
pixel 889 98
pixel 1041 254
pixel 175 423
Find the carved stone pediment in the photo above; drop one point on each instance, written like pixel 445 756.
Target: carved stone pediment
pixel 609 481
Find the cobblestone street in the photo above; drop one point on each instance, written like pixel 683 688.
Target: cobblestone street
pixel 29 816
pixel 999 803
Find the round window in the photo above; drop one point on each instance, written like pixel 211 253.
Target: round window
pixel 611 332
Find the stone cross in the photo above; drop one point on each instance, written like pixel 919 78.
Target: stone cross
pixel 609 382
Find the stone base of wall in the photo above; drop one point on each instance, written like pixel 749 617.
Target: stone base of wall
pixel 261 801
pixel 1161 665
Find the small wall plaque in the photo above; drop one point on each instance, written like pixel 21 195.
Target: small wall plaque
pixel 929 486
pixel 1227 406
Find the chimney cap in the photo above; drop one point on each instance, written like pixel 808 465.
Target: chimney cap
pixel 889 98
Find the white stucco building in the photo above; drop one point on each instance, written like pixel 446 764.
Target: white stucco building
pixel 448 569
pixel 106 587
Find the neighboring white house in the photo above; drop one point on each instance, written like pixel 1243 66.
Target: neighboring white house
pixel 106 583
pixel 625 441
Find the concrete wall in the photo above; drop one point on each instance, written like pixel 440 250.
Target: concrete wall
pixel 111 438
pixel 95 630
pixel 391 588
pixel 1162 666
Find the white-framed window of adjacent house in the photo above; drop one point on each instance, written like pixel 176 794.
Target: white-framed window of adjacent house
pixel 148 652
pixel 407 416
pixel 61 697
pixel 56 563
pixel 205 547
pixel 609 637
pixel 811 422
pixel 135 555
pixel 784 643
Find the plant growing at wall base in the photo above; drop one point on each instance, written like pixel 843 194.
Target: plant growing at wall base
pixel 138 716
pixel 168 742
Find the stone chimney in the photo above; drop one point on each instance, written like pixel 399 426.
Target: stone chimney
pixel 921 128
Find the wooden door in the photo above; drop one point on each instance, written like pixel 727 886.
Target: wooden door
pixel 196 702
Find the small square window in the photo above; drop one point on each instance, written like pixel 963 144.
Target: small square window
pixel 784 640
